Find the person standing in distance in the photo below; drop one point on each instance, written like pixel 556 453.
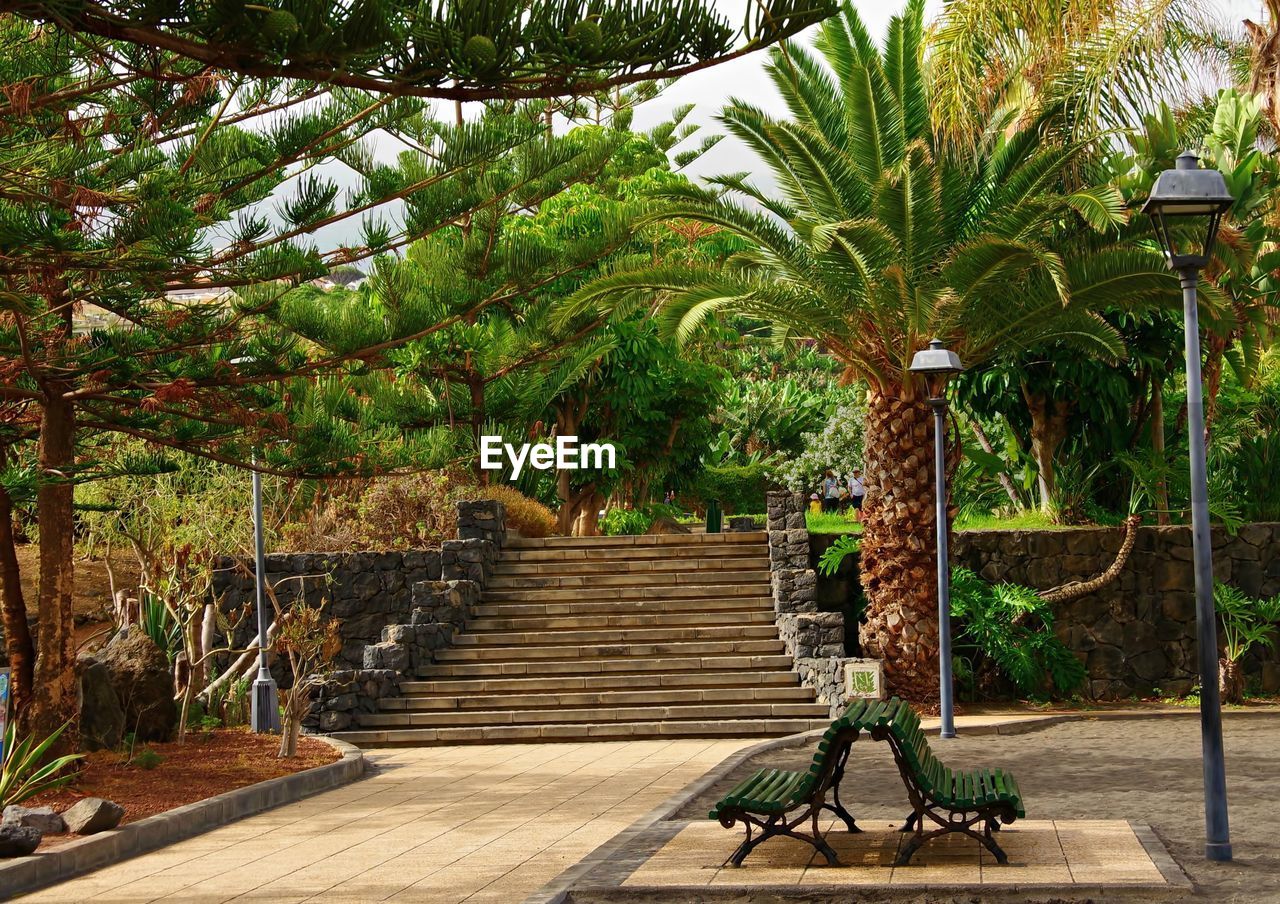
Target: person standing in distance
pixel 857 492
pixel 830 492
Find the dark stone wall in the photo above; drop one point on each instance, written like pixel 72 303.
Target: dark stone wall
pixel 840 592
pixel 366 590
pixel 1135 636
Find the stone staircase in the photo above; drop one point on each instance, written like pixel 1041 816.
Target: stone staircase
pixel 608 638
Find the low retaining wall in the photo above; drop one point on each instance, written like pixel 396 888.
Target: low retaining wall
pixel 366 591
pixel 815 639
pixel 1136 635
pixel 396 609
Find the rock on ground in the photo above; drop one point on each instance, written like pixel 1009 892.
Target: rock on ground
pixel 92 815
pixel 143 683
pixel 18 841
pixel 102 720
pixel 42 818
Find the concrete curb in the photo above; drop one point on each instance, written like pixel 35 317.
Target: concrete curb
pixel 1025 724
pixel 26 874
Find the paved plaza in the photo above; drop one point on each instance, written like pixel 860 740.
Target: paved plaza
pixel 434 825
pixel 1063 856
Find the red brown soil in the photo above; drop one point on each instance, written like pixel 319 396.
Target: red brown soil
pixel 207 764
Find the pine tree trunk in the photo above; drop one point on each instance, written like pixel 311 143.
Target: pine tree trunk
pixel 898 559
pixel 476 386
pixel 17 633
pixel 54 697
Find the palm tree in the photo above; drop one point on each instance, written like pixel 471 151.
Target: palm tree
pixel 881 236
pixel 1103 62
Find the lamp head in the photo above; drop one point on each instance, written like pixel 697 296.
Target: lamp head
pixel 937 365
pixel 1184 195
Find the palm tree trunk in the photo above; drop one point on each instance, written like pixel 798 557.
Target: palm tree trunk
pixel 899 563
pixel 1215 357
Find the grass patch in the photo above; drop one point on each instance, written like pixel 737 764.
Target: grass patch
pixel 832 523
pixel 835 523
pixel 1029 520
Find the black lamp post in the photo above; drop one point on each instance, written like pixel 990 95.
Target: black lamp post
pixel 1187 196
pixel 938 365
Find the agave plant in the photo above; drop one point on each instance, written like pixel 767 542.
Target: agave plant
pixel 881 236
pixel 24 773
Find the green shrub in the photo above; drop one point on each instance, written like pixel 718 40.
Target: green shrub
pixel 739 488
pixel 619 521
pixel 1011 627
pixel 157 622
pixel 1246 623
pixel 146 758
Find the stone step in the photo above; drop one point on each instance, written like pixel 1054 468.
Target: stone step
pixel 671 634
pixel 640 579
pixel 562 699
pixel 600 620
pixel 605 594
pixel 638 540
pixel 675 648
pixel 520 608
pixel 632 665
pixel 650 713
pixel 584 731
pixel 615 554
pixel 651 682
pixel 749 559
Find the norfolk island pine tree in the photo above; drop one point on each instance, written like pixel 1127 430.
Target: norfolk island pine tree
pixel 142 172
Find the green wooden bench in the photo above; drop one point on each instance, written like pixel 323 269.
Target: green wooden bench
pixel 765 801
pixel 956 801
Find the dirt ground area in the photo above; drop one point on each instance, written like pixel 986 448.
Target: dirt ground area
pixel 1145 770
pixel 92 597
pixel 208 763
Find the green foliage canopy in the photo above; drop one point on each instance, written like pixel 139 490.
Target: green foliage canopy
pixel 455 49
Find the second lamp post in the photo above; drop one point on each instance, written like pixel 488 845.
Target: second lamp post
pixel 938 365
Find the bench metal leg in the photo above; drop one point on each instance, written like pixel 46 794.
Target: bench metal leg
pixel 957 823
pixel 838 808
pixel 775 826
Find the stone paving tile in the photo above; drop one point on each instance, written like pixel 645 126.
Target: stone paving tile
pixel 1041 853
pixel 443 825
